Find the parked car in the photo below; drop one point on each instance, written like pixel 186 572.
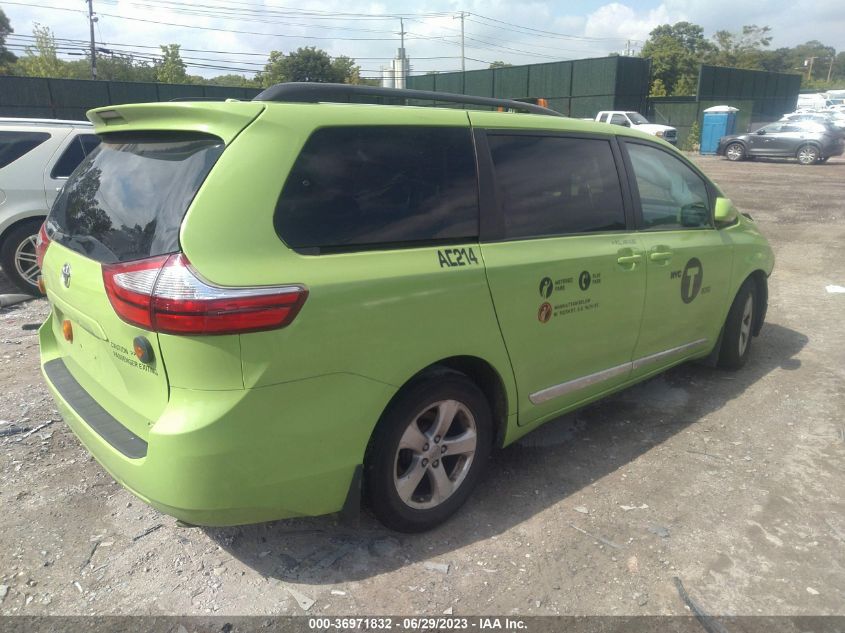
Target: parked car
pixel 835 119
pixel 637 121
pixel 265 309
pixel 809 141
pixel 36 158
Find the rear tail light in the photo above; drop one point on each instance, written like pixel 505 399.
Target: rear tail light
pixel 42 241
pixel 164 294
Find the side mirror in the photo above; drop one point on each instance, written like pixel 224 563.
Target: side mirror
pixel 725 212
pixel 761 132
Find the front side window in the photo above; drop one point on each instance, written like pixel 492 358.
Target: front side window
pixel 551 185
pixel 672 195
pixel 375 186
pixel 13 145
pixel 620 119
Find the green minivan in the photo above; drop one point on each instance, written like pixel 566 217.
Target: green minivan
pixel 277 308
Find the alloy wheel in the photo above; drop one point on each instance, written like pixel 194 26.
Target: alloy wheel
pixel 26 262
pixel 435 454
pixel 745 324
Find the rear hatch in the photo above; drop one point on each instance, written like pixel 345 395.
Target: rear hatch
pixel 124 203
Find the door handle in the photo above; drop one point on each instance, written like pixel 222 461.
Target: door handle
pixel 660 256
pixel 629 259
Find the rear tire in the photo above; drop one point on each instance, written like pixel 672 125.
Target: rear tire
pixel 17 256
pixel 739 327
pixel 735 152
pixel 428 452
pixel 808 154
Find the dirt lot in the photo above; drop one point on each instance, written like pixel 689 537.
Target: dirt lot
pixel 732 482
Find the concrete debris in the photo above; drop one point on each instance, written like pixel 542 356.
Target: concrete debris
pixel 640 507
pixel 812 592
pixel 832 289
pixel 338 592
pixel 443 568
pixel 447 611
pixel 4 591
pixel 302 600
pixel 581 509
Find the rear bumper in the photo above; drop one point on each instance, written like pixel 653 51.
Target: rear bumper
pixel 232 457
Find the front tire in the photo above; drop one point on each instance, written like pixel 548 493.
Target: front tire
pixel 17 257
pixel 739 327
pixel 428 452
pixel 808 154
pixel 735 152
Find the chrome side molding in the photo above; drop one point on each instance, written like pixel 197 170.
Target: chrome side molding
pixel 564 388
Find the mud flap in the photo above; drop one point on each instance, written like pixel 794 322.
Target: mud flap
pixel 350 514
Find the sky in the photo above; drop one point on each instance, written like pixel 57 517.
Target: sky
pixel 221 36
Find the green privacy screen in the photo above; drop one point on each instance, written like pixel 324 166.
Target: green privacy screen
pixel 577 88
pixel 70 98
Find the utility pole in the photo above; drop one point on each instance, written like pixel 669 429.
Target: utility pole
pixel 91 20
pixel 463 56
pixel 830 68
pixel 810 68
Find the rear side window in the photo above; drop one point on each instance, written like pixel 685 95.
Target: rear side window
pixel 379 186
pixel 79 148
pixel 127 199
pixel 13 145
pixel 552 185
pixel 672 195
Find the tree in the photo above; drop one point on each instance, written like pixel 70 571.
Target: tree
pixel 7 58
pixel 687 86
pixel 741 50
pixel 676 50
pixel 657 89
pixel 308 64
pixel 171 69
pixel 238 81
pixel 41 59
pixel 346 70
pixel 499 64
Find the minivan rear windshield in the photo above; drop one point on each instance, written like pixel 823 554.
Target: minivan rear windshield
pixel 127 199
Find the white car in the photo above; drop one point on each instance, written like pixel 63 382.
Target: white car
pixel 36 158
pixel 639 122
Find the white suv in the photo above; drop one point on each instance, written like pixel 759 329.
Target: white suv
pixel 36 158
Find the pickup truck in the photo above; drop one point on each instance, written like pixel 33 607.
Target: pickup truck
pixel 639 122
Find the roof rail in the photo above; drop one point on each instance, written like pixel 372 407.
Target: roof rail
pixel 313 92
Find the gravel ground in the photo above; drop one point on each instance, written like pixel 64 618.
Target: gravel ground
pixel 732 482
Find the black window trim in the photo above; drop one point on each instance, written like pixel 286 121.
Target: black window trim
pixel 492 227
pixel 712 193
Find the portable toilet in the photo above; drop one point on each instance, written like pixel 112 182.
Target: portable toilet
pixel 719 121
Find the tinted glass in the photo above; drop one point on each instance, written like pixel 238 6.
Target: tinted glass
pixel 89 142
pixel 13 145
pixel 380 185
pixel 619 119
pixel 555 186
pixel 672 195
pixel 69 160
pixel 127 199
